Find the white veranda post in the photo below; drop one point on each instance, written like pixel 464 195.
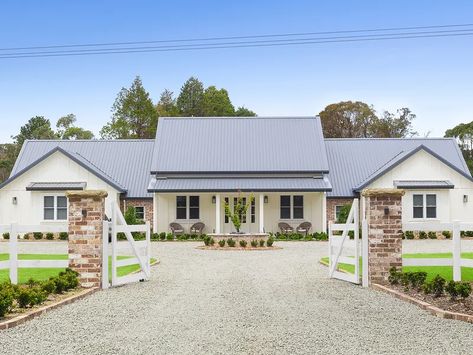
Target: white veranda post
pixel 261 213
pixel 217 213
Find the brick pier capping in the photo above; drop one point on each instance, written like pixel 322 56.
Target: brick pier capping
pixel 86 215
pixel 383 211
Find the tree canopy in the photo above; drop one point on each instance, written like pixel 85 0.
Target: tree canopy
pixel 37 127
pixel 463 133
pixel 66 129
pixel 348 119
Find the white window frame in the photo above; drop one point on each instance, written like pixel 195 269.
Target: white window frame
pixel 335 211
pixel 144 212
pixel 55 207
pixel 424 206
pixel 188 208
pixel 291 207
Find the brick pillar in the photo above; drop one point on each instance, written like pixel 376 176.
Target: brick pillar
pixel 384 217
pixel 86 214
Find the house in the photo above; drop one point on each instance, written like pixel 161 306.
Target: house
pixel 195 165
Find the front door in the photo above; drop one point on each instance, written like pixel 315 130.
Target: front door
pixel 228 226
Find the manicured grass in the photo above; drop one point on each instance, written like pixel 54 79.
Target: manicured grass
pixel 40 274
pixel 444 271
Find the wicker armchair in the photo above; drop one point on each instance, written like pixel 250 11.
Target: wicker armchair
pixel 304 228
pixel 285 228
pixel 176 229
pixel 197 228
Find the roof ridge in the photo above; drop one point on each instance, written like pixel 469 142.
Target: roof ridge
pixel 238 117
pixel 92 140
pixel 389 138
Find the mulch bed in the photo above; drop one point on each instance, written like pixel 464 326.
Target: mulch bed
pixel 236 248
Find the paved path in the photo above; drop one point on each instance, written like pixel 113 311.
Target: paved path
pixel 236 302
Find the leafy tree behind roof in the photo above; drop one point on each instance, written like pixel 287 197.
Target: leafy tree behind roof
pixel 464 136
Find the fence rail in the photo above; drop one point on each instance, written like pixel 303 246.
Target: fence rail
pixel 13 264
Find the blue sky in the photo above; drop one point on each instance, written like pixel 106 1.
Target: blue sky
pixel 433 77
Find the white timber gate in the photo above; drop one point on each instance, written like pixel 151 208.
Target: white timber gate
pixel 343 250
pixel 124 253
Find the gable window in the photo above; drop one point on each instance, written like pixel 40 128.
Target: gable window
pixel 140 212
pixel 187 207
pixel 54 208
pixel 424 205
pixel 292 207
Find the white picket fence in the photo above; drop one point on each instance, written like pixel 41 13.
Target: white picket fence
pixel 13 263
pixel 456 261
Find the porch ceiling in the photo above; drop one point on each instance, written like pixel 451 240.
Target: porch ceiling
pixel 238 184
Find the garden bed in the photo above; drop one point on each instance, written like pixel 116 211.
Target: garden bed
pixel 217 247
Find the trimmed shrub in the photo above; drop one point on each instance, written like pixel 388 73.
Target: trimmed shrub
pixel 261 243
pixel 6 298
pixel 422 235
pixel 270 242
pixel 211 241
pixel 466 233
pixel 463 289
pixel 221 243
pixel 38 235
pixel 432 235
pixel 308 237
pixel 322 236
pixel 63 236
pixel 408 234
pixel 162 235
pixel 243 243
pixel 6 235
pixel 231 242
pixel 155 236
pixel 48 286
pixel 254 243
pixel 49 236
pixel 207 240
pixel 394 276
pixel 436 286
pixel 26 236
pixel 169 236
pixel 447 234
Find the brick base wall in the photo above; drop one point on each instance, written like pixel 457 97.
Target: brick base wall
pixel 384 217
pixel 146 203
pixel 332 202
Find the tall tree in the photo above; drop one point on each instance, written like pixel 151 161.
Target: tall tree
pixel 133 114
pixel 397 125
pixel 166 106
pixel 190 99
pixel 464 136
pixel 37 127
pixel 66 128
pixel 8 155
pixel 244 112
pixel 216 103
pixel 347 119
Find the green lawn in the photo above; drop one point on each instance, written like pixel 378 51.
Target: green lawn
pixel 444 271
pixel 24 274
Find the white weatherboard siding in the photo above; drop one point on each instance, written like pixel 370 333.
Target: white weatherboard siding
pixel 29 207
pixel 424 166
pixel 165 206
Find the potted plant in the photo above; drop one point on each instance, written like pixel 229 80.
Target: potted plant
pixel 239 210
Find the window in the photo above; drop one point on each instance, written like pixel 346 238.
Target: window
pixel 418 203
pixel 285 207
pixel 55 208
pixel 140 212
pixel 187 207
pixel 243 203
pixel 292 207
pixel 338 209
pixel 181 207
pixel 226 203
pixel 431 206
pixel 253 211
pixel 193 207
pixel 427 209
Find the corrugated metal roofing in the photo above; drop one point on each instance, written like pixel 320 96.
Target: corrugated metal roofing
pixel 236 145
pixel 423 184
pixel 48 186
pixel 353 161
pixel 126 162
pixel 242 184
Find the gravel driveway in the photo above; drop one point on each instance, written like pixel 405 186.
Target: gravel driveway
pixel 227 302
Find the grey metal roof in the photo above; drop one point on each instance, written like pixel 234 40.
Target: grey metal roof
pixel 239 145
pixel 242 184
pixel 54 186
pixel 125 164
pixel 423 184
pixel 354 162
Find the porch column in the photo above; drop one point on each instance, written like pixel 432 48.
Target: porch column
pixel 261 213
pixel 217 213
pixel 324 213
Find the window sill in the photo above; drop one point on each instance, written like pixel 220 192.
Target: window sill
pixel 53 221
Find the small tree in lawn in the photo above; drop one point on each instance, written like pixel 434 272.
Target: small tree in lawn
pixel 239 210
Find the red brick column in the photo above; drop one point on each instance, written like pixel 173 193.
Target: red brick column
pixel 384 217
pixel 86 214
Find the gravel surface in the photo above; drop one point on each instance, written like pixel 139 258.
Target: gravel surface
pixel 243 302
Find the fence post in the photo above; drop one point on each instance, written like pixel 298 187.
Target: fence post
pixel 456 239
pixel 105 230
pixel 356 232
pixel 114 245
pixel 148 246
pixel 13 251
pixel 330 245
pixel 364 253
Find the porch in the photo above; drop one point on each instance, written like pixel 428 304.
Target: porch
pixel 266 210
